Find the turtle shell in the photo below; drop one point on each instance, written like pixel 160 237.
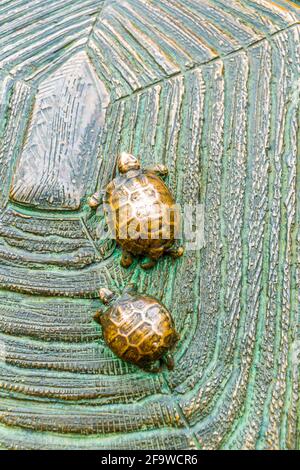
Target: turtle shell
pixel 141 212
pixel 138 329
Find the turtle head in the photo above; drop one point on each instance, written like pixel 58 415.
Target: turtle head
pixel 106 295
pixel 127 162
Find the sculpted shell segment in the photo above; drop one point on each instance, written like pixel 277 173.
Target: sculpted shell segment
pixel 59 163
pixel 135 43
pixel 87 388
pixel 163 439
pixel 42 241
pixel 50 320
pixel 157 413
pixel 36 34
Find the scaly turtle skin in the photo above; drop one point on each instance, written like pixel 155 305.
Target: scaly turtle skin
pixel 141 212
pixel 137 328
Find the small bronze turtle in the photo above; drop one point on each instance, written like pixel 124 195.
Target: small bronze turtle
pixel 140 212
pixel 138 328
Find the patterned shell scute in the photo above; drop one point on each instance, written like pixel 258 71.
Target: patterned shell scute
pixel 141 206
pixel 138 329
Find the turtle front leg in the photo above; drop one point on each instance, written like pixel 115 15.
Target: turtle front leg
pixel 126 259
pixel 95 200
pixel 159 169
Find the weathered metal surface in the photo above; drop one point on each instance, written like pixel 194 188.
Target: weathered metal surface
pixel 209 88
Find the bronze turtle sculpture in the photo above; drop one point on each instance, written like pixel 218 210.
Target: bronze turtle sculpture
pixel 141 212
pixel 138 328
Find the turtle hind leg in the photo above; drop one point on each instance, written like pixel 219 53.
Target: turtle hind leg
pixel 126 259
pixel 175 252
pixel 152 258
pixel 168 360
pixel 157 366
pixel 148 263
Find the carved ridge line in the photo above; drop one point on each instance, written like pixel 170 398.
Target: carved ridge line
pixel 196 66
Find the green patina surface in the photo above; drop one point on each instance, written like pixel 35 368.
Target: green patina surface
pixel 211 89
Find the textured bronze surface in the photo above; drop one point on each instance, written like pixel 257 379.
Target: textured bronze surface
pixel 141 212
pixel 138 328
